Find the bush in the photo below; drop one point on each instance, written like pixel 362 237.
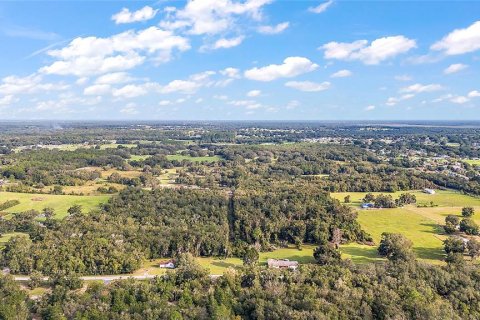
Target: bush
pixel 469 226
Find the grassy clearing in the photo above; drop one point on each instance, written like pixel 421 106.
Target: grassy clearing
pixel 422 225
pixel 7 236
pixel 168 177
pixel 136 157
pixel 219 266
pixel 180 157
pixel 472 161
pixel 60 203
pixel 442 198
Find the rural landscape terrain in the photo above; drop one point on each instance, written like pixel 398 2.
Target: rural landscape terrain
pixel 100 213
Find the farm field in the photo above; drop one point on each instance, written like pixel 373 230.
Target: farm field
pixel 422 225
pixel 60 203
pixel 180 157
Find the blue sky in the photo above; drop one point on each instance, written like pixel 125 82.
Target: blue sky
pixel 235 60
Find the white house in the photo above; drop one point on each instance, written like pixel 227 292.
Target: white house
pixel 167 264
pixel 282 264
pixel 429 191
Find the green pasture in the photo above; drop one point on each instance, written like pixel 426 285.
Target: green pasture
pixel 422 225
pixel 60 203
pixel 472 161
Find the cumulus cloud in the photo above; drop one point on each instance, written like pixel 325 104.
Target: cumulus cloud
pixel 474 94
pixel 212 16
pixel 254 93
pixel 231 72
pixel 419 88
pixel 130 108
pixel 279 28
pixel 392 101
pixel 97 90
pixel 33 83
pixel 85 56
pixel 130 91
pixel 7 100
pixel 225 43
pixel 370 108
pixel 342 74
pixel 126 16
pixel 113 78
pixel 459 99
pixel 247 104
pixel 291 67
pixel 460 41
pixel 182 86
pixel 322 7
pixel 453 68
pixel 308 86
pixel 377 51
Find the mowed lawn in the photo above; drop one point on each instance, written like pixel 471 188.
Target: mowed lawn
pixel 60 203
pixel 422 225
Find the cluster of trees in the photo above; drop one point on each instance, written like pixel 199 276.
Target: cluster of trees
pixel 387 201
pixel 399 289
pixel 466 225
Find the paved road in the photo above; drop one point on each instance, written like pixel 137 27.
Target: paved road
pixel 110 278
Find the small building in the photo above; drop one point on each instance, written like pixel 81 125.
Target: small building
pixel 367 205
pixel 169 264
pixel 429 191
pixel 282 264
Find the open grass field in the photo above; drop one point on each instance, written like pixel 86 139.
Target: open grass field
pixel 422 225
pixel 136 157
pixel 180 157
pixel 219 266
pixel 115 145
pixel 442 198
pixel 5 237
pixel 472 161
pixel 60 203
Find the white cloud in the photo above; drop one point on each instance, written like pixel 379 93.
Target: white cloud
pixel 164 103
pixel 322 7
pixel 7 100
pixel 86 56
pixel 130 108
pixel 113 78
pixel 370 108
pixel 308 86
pixel 291 67
pixel 220 97
pixel 130 91
pixel 460 41
pixel 125 16
pixel 459 100
pixel 453 68
pixel 97 90
pixel 224 43
pixel 394 100
pixel 254 93
pixel 377 51
pixel 279 28
pixel 182 86
pixel 419 88
pixel 248 104
pixel 12 85
pixel 474 94
pixel 231 72
pixel 342 74
pixel 212 16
